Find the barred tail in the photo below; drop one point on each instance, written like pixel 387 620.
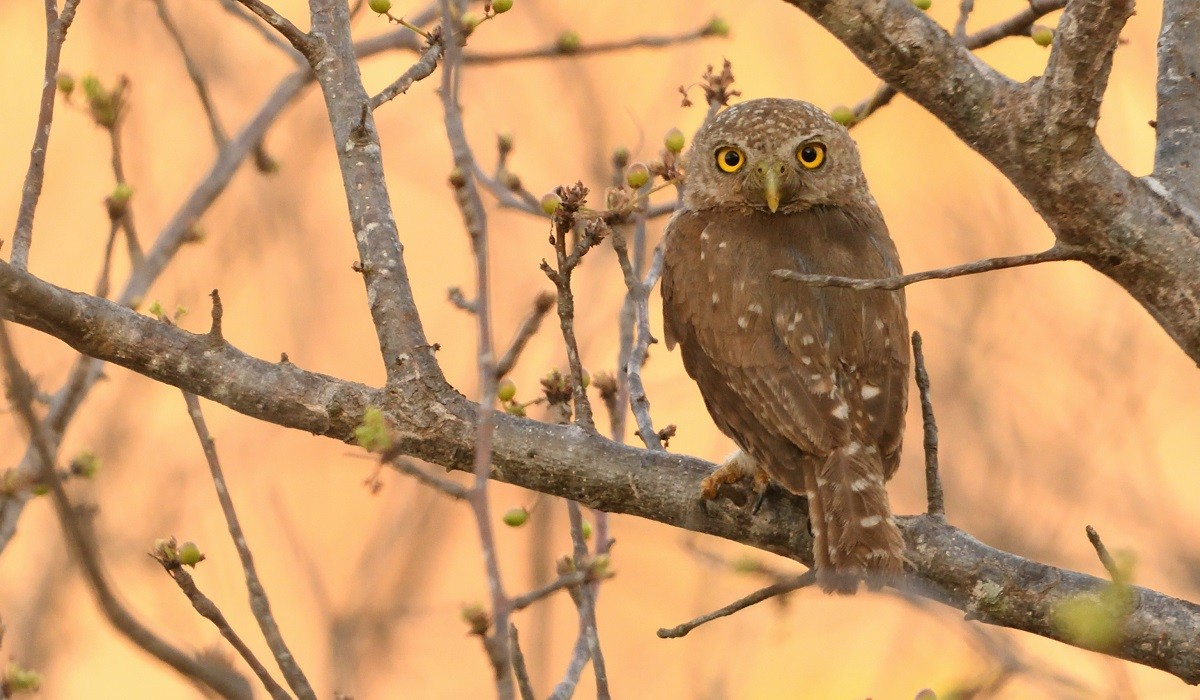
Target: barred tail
pixel 859 537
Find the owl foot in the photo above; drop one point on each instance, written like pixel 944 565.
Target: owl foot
pixel 736 468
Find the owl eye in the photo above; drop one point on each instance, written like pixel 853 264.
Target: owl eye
pixel 811 155
pixel 730 159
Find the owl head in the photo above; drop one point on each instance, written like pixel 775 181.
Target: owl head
pixel 774 155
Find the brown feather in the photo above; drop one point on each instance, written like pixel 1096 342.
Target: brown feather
pixel 811 382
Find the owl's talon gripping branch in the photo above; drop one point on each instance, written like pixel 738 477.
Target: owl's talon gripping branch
pixel 811 383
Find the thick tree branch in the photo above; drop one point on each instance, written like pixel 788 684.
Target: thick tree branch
pixel 1077 74
pixel 1132 230
pixel 435 423
pixel 1177 157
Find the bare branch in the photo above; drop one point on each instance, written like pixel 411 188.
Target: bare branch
pixel 524 684
pixel 450 488
pixel 1110 565
pixel 996 587
pixel 586 601
pixel 259 603
pixel 56 33
pixel 220 137
pixel 933 479
pixel 1178 118
pixel 775 589
pixel 228 684
pixel 570 579
pixel 420 70
pixel 554 50
pixel 639 290
pixel 1077 73
pixel 525 332
pixel 209 611
pixel 301 41
pixel 235 8
pixel 1057 253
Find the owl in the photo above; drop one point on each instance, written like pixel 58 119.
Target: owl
pixel 811 383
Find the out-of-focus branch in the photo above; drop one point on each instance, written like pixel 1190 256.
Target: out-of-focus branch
pixel 56 33
pixel 1178 118
pixel 1055 254
pixel 303 43
pixel 525 332
pixel 82 545
pixel 561 49
pixel 524 684
pixel 259 603
pixel 220 138
pixel 933 479
pixel 639 291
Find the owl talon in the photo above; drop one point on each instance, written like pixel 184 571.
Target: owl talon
pixel 736 468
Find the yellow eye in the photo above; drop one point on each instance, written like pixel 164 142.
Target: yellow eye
pixel 811 155
pixel 730 159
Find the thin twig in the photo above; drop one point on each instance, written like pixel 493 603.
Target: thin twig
pixel 1054 254
pixel 588 628
pixel 235 8
pixel 450 488
pixel 1110 565
pixel 567 580
pixel 524 684
pixel 300 40
pixel 525 332
pixel 775 589
pixel 420 70
pixel 475 221
pixel 56 33
pixel 580 656
pixel 259 603
pixel 965 7
pixel 933 479
pixel 219 135
pixel 640 292
pixel 209 611
pixel 223 681
pixel 553 50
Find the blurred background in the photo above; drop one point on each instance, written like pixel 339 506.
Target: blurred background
pixel 1060 402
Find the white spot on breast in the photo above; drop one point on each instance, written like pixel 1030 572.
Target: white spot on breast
pixel 879 324
pixel 870 521
pixel 806 340
pixel 715 298
pixel 704 235
pixel 722 244
pixel 853 448
pixel 870 392
pixel 755 308
pixel 842 411
pixel 860 485
pixel 806 360
pixel 701 253
pixel 743 322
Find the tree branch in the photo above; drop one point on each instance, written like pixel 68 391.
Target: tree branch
pixel 301 41
pixel 972 268
pixel 434 423
pixel 775 589
pixel 1178 120
pixel 556 49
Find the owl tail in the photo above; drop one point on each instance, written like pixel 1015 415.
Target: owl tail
pixel 857 538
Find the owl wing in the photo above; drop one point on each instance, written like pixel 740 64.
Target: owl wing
pixel 776 372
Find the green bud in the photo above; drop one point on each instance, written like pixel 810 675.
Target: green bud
pixel 380 6
pixel 470 20
pixel 925 694
pixel 1042 35
pixel 156 309
pixel 716 27
pixel 584 378
pixel 91 87
pixel 501 6
pixel 620 157
pixel 504 141
pixel 637 175
pixel 842 115
pixel 922 4
pixel 372 434
pixel 66 83
pixel 121 194
pixel 189 554
pixel 674 141
pixel 21 680
pixel 506 390
pixel 516 517
pixel 568 41
pixel 515 409
pixel 550 203
pixel 85 465
pixel 587 530
pixel 476 618
pixel 457 178
pixel 39 489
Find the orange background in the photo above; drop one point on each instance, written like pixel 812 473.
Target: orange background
pixel 1061 403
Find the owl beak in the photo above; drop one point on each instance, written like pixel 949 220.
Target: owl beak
pixel 770 189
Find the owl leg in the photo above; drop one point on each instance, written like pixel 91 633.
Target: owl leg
pixel 734 469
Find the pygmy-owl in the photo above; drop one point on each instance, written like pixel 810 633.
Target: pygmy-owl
pixel 810 382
